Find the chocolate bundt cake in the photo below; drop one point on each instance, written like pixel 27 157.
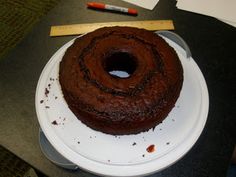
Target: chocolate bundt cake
pixel 120 105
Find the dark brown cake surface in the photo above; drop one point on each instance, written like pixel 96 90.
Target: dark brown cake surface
pixel 116 105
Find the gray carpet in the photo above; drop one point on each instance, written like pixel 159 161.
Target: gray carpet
pixel 17 17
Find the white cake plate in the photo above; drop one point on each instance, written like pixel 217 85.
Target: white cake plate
pixel 126 155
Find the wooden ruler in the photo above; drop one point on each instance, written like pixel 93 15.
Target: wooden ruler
pixel 76 29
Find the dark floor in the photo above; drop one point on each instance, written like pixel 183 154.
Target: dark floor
pixel 12 166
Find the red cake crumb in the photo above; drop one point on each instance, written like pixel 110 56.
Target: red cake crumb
pixel 151 148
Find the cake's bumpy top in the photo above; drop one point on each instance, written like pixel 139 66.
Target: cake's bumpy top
pixel 116 105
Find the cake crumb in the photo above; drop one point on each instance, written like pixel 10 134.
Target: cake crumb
pixel 46 92
pixel 143 155
pixel 151 148
pixel 41 101
pixel 78 142
pixel 54 122
pixel 47 107
pixel 167 143
pixel 134 144
pixel 51 79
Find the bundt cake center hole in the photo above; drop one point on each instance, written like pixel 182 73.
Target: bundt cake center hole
pixel 120 64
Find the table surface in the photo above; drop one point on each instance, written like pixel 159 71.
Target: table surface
pixel 211 41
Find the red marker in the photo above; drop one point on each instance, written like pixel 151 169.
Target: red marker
pixel 97 5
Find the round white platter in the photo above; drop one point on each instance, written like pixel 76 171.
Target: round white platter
pixel 125 155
